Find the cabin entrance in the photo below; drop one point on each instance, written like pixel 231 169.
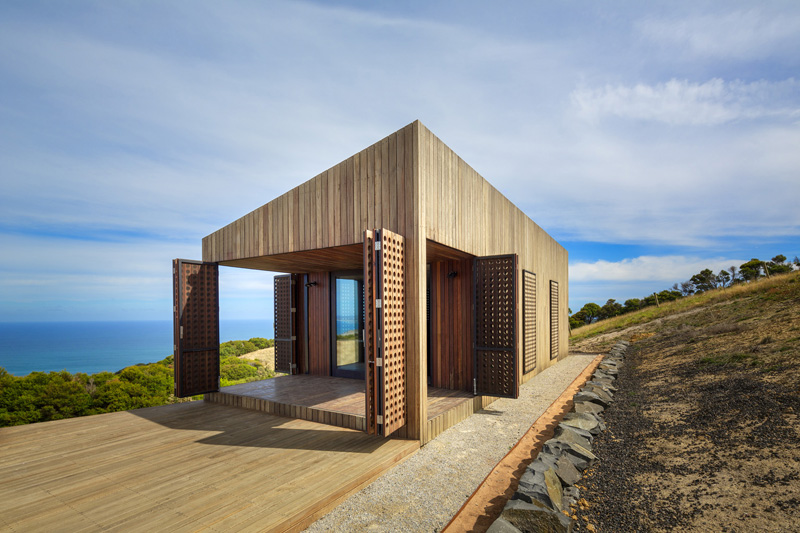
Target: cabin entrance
pixel 471 315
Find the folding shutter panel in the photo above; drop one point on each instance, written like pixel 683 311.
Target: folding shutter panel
pixel 371 374
pixel 392 322
pixel 529 320
pixel 196 327
pixel 553 319
pixel 284 324
pixel 384 304
pixel 495 326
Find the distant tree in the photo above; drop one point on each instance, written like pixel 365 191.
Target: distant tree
pixel 668 296
pixel 750 270
pixel 705 280
pixel 634 304
pixel 734 274
pixel 778 265
pixel 796 262
pixel 588 313
pixel 723 278
pixel 687 288
pixel 610 309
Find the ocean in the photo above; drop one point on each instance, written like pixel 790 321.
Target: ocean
pixel 93 347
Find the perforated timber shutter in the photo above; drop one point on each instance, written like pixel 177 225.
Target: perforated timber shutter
pixel 553 319
pixel 384 271
pixel 371 373
pixel 529 321
pixel 495 326
pixel 284 324
pixel 196 327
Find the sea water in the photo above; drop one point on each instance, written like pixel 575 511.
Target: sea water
pixel 93 347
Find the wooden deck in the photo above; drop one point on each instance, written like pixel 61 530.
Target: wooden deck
pixel 184 467
pixel 327 400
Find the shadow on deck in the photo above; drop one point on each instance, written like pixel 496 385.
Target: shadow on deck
pixel 153 470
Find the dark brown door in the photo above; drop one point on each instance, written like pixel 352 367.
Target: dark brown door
pixel 496 326
pixel 385 341
pixel 284 324
pixel 196 327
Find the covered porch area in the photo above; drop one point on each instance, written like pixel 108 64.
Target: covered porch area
pixel 339 401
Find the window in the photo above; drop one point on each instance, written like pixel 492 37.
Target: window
pixel 529 321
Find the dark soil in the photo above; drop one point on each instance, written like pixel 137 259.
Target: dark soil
pixel 696 446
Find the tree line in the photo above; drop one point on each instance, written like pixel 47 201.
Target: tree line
pixel 703 281
pixel 43 396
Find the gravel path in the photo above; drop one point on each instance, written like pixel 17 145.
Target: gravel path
pixel 425 491
pixel 693 447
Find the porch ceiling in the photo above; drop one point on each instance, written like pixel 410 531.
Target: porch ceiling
pixel 439 252
pixel 346 257
pixel 324 259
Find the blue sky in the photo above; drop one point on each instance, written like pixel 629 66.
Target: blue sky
pixel 651 139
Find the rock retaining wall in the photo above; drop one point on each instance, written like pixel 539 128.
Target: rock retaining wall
pixel 547 488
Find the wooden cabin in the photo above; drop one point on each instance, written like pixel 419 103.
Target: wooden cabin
pixel 405 272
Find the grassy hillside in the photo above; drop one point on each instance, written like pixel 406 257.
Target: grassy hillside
pixel 705 433
pixel 755 324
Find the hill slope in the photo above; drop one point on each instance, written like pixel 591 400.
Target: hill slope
pixel 705 433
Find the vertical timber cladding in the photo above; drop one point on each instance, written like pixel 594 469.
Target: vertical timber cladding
pixel 284 324
pixel 196 327
pixel 553 319
pixel 386 342
pixel 529 321
pixel 371 374
pixel 495 326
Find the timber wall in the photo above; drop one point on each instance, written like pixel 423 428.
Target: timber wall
pixel 465 212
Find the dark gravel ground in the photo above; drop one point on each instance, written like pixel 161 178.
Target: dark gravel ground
pixel 694 447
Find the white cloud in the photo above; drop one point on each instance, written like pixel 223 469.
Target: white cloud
pixel 147 140
pixel 664 269
pixel 742 34
pixel 680 102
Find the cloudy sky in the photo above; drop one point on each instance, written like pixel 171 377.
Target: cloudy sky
pixel 651 139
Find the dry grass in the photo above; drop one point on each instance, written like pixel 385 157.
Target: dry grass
pixel 764 288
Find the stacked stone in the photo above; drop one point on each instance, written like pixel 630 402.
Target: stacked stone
pixel 547 488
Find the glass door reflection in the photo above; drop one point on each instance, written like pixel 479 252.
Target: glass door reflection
pixel 348 322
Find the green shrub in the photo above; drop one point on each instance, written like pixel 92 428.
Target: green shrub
pixel 262 343
pixel 237 372
pixel 234 348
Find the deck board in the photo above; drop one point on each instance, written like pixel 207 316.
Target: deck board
pixel 330 394
pixel 183 467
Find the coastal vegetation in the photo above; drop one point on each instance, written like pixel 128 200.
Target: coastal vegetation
pixel 43 396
